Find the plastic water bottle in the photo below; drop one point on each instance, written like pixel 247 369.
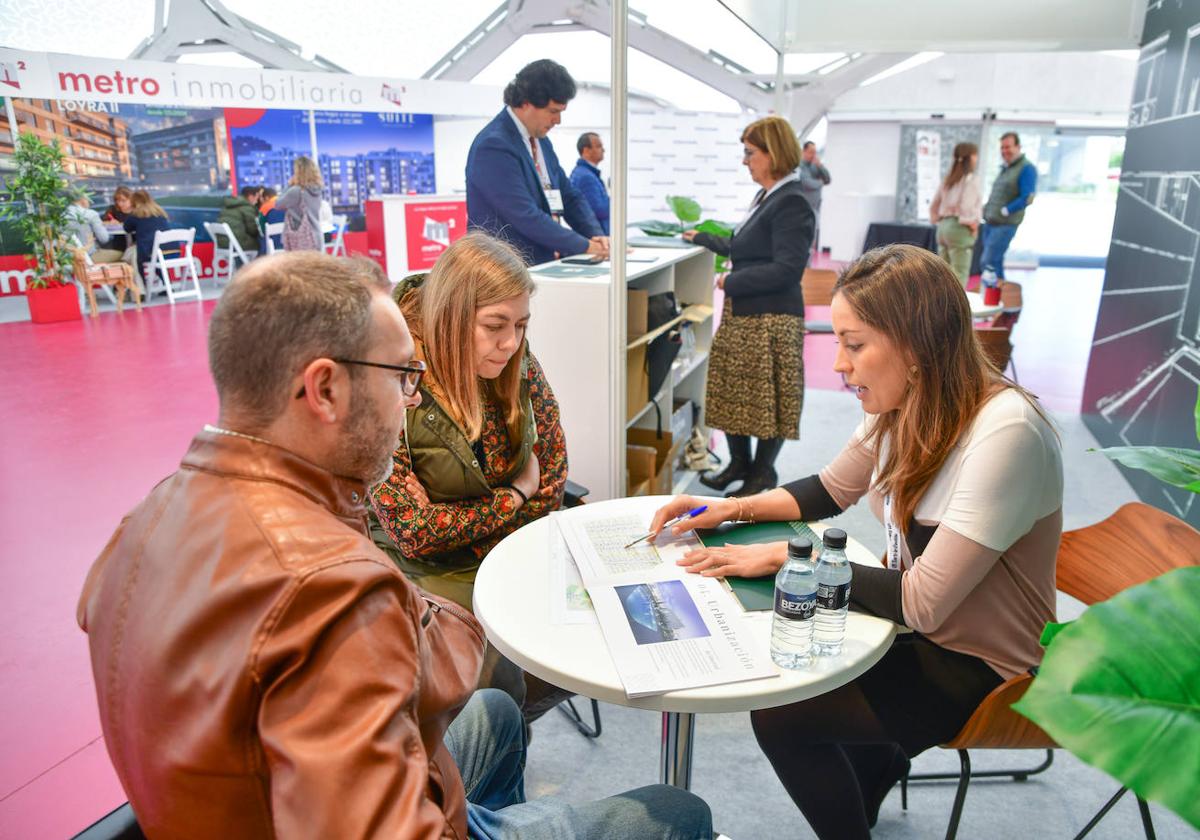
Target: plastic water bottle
pixel 833 594
pixel 795 604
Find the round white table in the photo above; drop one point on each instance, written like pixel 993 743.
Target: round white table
pixel 979 309
pixel 512 600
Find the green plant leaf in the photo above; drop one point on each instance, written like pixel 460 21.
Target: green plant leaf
pixel 1177 467
pixel 1120 688
pixel 1051 630
pixel 654 227
pixel 685 209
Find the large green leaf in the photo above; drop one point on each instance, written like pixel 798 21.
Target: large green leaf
pixel 1178 467
pixel 1120 688
pixel 685 209
pixel 654 227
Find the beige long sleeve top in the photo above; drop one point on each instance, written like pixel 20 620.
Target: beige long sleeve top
pixel 962 200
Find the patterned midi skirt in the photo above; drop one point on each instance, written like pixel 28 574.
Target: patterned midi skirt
pixel 756 375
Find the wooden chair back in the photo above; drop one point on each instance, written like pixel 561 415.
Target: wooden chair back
pixel 1135 544
pixel 996 345
pixel 817 286
pixel 1012 300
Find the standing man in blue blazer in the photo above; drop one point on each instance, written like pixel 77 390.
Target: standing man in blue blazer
pixel 515 187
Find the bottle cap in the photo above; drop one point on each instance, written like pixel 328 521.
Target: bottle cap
pixel 800 547
pixel 834 538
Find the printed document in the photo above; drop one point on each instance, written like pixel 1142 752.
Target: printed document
pixel 666 629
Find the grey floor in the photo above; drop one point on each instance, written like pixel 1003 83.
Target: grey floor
pixel 731 774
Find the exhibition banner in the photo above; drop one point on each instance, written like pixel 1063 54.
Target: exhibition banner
pixel 83 78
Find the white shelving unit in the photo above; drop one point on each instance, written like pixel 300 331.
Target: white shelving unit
pixel 573 336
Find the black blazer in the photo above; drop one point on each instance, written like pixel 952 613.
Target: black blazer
pixel 769 255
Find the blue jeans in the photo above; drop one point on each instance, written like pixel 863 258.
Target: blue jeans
pixel 996 239
pixel 487 741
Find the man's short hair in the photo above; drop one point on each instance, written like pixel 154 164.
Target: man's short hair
pixel 247 192
pixel 585 141
pixel 1016 138
pixel 539 83
pixel 807 143
pixel 277 316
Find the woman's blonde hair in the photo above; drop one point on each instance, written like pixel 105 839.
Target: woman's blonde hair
pixel 774 136
pixel 475 271
pixel 914 298
pixel 143 206
pixel 305 173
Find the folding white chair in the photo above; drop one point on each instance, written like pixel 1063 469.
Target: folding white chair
pixel 336 247
pixel 274 229
pixel 230 254
pixel 160 266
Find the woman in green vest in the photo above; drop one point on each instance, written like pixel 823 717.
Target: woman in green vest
pixel 484 452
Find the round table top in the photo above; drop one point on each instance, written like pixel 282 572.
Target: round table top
pixel 513 602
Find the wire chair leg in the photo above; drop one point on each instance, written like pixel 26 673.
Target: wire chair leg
pixel 1100 814
pixel 1147 823
pixel 567 707
pixel 960 795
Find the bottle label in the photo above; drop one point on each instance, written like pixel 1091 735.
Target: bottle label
pixel 831 596
pixel 795 607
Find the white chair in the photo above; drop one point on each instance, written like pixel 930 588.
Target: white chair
pixel 336 247
pixel 274 229
pixel 230 254
pixel 158 270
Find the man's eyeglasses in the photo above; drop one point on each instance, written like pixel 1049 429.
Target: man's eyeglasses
pixel 411 380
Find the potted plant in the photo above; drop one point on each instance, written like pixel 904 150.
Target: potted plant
pixel 38 197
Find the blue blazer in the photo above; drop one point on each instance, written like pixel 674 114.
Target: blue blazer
pixel 505 197
pixel 586 179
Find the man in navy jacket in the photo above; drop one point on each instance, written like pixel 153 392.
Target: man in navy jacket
pixel 585 177
pixel 515 187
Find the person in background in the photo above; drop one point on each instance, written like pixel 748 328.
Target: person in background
pixel 956 209
pixel 755 384
pixel 485 454
pixel 1012 191
pixel 965 472
pixel 585 177
pixel 268 213
pixel 301 203
pixel 241 214
pixel 145 218
pixel 515 188
pixel 85 225
pixel 118 211
pixel 261 669
pixel 813 178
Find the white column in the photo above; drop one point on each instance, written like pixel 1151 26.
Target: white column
pixel 618 144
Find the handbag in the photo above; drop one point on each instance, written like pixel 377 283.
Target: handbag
pixel 661 352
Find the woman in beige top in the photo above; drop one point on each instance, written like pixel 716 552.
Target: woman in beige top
pixel 965 471
pixel 957 209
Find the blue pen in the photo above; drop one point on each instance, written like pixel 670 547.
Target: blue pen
pixel 666 525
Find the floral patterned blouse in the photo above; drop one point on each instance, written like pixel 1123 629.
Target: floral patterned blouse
pixel 422 532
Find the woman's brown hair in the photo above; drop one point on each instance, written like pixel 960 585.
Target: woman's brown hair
pixel 122 192
pixel 475 271
pixel 774 136
pixel 961 167
pixel 144 206
pixel 914 298
pixel 305 173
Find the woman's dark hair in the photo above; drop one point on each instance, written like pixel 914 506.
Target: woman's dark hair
pixel 539 83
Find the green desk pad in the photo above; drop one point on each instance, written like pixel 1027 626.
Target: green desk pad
pixel 755 593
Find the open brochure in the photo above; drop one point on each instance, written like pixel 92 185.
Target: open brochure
pixel 666 629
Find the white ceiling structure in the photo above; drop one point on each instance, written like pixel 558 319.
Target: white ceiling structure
pixel 792 56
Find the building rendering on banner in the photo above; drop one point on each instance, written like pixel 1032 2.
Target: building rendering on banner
pixel 95 142
pixel 183 158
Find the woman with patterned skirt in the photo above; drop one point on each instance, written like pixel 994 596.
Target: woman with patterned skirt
pixel 755 383
pixel 484 452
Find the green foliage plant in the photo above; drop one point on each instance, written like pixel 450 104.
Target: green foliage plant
pixel 1120 688
pixel 38 196
pixel 1175 466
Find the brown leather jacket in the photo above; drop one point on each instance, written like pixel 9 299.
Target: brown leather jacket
pixel 262 670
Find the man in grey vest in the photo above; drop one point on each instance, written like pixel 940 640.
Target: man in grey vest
pixel 1012 192
pixel 813 178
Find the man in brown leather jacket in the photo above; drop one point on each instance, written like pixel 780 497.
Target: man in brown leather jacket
pixel 262 669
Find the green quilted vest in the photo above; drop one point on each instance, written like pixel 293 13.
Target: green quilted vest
pixel 1004 190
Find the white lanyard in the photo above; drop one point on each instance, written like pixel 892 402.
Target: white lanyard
pixel 893 534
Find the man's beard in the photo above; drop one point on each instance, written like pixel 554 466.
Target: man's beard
pixel 367 442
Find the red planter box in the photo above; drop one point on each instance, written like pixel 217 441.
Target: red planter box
pixel 54 303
